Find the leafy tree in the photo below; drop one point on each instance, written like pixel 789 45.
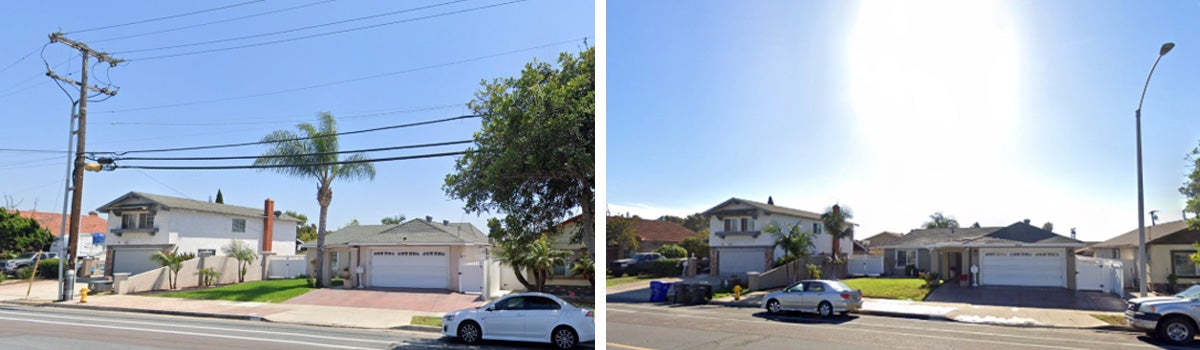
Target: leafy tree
pixel 939 220
pixel 392 220
pixel 697 222
pixel 243 253
pixel 534 158
pixel 975 225
pixel 220 197
pixel 540 259
pixel 173 261
pixel 353 222
pixel 695 245
pixel 305 232
pixel 1048 226
pixel 315 157
pixel 585 267
pixel 836 224
pixel 20 234
pixel 673 251
pixel 621 233
pixel 511 246
pixel 671 218
pixel 797 244
pixel 1191 188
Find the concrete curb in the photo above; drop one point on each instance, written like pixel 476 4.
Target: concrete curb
pixel 418 328
pixel 907 315
pixel 144 311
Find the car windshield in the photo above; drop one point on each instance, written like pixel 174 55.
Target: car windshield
pixel 1191 293
pixel 839 286
pixel 26 256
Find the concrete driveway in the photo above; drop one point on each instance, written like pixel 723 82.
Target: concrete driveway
pixel 440 301
pixel 1039 297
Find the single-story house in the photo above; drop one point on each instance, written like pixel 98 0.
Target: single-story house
pixel 413 254
pixel 1015 255
pixel 1168 251
pixel 142 223
pixel 738 245
pixel 651 235
pixel 879 239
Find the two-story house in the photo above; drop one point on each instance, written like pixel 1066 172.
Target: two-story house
pixel 738 244
pixel 140 224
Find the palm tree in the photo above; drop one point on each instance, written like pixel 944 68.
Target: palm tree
pixel 244 255
pixel 541 260
pixel 797 244
pixel 314 156
pixel 836 225
pixel 585 267
pixel 513 252
pixel 173 261
pixel 939 220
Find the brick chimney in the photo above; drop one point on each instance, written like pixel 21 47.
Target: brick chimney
pixel 268 224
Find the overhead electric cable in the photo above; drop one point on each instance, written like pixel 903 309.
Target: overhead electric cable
pixel 211 23
pixel 189 53
pixel 243 121
pixel 268 166
pixel 398 126
pixel 244 37
pixel 162 18
pixel 436 144
pixel 30 150
pixel 10 65
pixel 346 81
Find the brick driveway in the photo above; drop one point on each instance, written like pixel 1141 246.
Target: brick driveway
pixel 390 298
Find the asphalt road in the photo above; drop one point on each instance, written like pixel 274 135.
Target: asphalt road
pixel 646 326
pixel 56 328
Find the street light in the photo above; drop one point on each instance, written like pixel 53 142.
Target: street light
pixel 1141 253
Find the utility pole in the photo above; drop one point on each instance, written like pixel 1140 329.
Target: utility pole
pixel 81 136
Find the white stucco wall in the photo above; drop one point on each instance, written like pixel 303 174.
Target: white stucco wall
pixel 194 230
pixel 823 244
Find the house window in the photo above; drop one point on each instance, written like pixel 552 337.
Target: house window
pixel 730 225
pixel 745 224
pixel 1116 253
pixel 137 220
pixel 239 225
pixel 816 228
pixel 1181 263
pixel 564 269
pixel 906 257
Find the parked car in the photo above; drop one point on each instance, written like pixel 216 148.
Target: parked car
pixel 823 297
pixel 1170 318
pixel 23 260
pixel 529 317
pixel 635 265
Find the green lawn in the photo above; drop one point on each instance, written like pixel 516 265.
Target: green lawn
pixel 427 321
pixel 1116 320
pixel 610 281
pixel 272 291
pixel 890 288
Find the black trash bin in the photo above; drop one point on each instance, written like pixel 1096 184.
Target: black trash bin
pixel 702 293
pixel 683 293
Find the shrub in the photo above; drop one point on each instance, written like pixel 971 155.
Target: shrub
pixel 25 273
pixel 814 271
pixel 3 277
pixel 48 268
pixel 665 267
pixel 784 260
pixel 672 251
pixel 931 279
pixel 208 276
pixel 695 245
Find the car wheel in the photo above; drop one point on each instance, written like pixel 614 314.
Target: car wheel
pixel 773 306
pixel 1177 330
pixel 825 309
pixel 469 332
pixel 564 338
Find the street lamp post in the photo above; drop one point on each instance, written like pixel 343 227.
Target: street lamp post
pixel 1141 253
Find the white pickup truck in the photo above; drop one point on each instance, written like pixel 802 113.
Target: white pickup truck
pixel 1170 318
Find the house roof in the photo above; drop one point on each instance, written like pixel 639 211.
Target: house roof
pixel 1153 233
pixel 881 238
pixel 661 231
pixel 171 203
pixel 414 231
pixel 53 222
pixel 770 208
pixel 1019 233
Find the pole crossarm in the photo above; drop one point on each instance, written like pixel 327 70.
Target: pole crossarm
pixel 103 90
pixel 100 55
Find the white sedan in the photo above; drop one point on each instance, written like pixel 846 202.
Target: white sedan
pixel 531 317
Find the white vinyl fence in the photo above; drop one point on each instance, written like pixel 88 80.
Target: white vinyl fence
pixel 865 265
pixel 285 266
pixel 1100 274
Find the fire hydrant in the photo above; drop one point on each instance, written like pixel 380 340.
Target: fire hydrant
pixel 737 292
pixel 83 295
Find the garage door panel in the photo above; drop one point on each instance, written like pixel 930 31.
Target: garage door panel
pixel 411 268
pixel 1023 267
pixel 133 261
pixel 741 261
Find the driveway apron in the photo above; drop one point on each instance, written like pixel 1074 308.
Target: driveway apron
pixel 397 299
pixel 1039 297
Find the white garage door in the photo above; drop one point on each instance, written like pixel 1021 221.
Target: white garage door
pixel 740 261
pixel 411 267
pixel 1042 267
pixel 134 261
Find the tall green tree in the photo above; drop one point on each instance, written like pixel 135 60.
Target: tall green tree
pixel 697 222
pixel 836 220
pixel 797 244
pixel 392 220
pixel 939 220
pixel 511 242
pixel 220 197
pixel 1048 226
pixel 305 232
pixel 314 156
pixel 19 234
pixel 534 157
pixel 1191 188
pixel 671 218
pixel 244 254
pixel 695 245
pixel 621 233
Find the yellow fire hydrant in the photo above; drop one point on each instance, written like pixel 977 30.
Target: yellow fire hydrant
pixel 83 295
pixel 737 292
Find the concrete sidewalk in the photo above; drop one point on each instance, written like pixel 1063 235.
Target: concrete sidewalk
pixel 315 315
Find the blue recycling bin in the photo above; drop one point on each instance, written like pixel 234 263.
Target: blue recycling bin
pixel 658 291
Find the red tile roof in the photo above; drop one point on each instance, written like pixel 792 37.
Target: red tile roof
pixel 53 222
pixel 661 231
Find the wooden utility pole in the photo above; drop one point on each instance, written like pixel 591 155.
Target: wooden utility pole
pixel 80 134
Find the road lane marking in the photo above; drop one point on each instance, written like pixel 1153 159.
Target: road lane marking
pixel 198 327
pixel 623 346
pixel 693 315
pixel 186 333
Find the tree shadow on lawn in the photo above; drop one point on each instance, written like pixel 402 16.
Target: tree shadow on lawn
pixel 804 318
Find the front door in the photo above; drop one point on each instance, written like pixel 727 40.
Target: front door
pixel 506 320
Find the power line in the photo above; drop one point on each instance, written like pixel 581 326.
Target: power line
pixel 292 139
pixel 346 81
pixel 424 145
pixel 164 184
pixel 29 150
pixel 243 121
pixel 10 65
pixel 189 53
pixel 164 17
pixel 268 166
pixel 213 22
pixel 288 30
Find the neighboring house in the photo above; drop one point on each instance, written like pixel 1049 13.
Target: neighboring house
pixel 651 235
pixel 1015 255
pixel 738 245
pixel 91 231
pixel 575 250
pixel 142 224
pixel 880 239
pixel 413 254
pixel 1168 247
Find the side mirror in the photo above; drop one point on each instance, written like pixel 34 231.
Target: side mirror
pixel 490 308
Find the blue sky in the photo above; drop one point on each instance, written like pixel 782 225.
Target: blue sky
pixel 988 111
pixel 35 111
